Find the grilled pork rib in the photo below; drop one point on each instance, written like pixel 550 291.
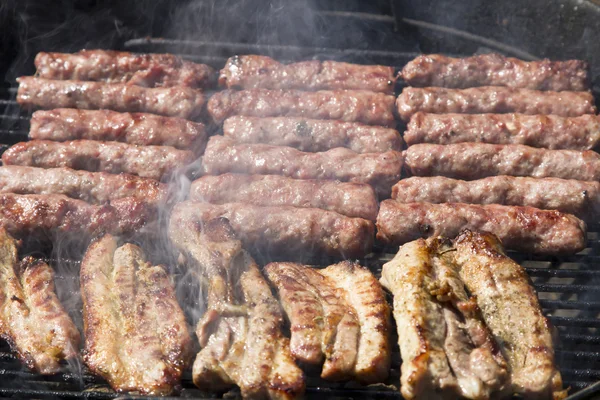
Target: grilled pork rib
pixel 240 333
pixel 312 135
pixel 32 319
pixel 496 70
pixel 148 70
pixel 350 199
pixel 175 101
pixel 253 71
pixel 154 162
pixel 136 336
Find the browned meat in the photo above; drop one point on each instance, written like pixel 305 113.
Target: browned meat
pixel 380 170
pixel 348 330
pixel 511 310
pixel 32 319
pixel 136 336
pixel 548 131
pixel 44 215
pixel 525 229
pixel 496 70
pixel 351 199
pixel 65 124
pixel 581 198
pixel 447 351
pixel 154 162
pixel 175 101
pixel 345 105
pixel 294 232
pixel 312 134
pixel 493 99
pixel 478 160
pixel 93 187
pixel 149 70
pixel 252 71
pixel 240 332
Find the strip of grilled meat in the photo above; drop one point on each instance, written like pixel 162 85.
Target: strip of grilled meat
pixel 64 124
pixel 32 319
pixel 240 333
pixel 136 336
pixel 351 199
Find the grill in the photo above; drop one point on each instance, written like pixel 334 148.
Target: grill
pixel 381 32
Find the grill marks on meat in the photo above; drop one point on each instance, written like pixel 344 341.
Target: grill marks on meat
pixel 42 93
pixel 154 162
pixel 350 199
pixel 345 105
pixel 338 316
pixel 380 170
pixel 581 198
pixel 142 129
pixel 496 70
pixel 524 229
pixel 493 99
pixel 291 231
pixel 252 71
pixel 478 160
pixel 547 131
pixel 148 70
pixel 136 335
pixel 511 310
pixel 312 135
pixel 32 319
pixel 93 187
pixel 240 333
pixel 446 348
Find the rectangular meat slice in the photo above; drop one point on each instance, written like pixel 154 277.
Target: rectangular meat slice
pixel 380 170
pixel 339 317
pixel 511 310
pixel 524 229
pixel 312 134
pixel 446 349
pixel 344 105
pixel 546 131
pixel 496 70
pixel 493 99
pixel 350 199
pixel 136 336
pixel 240 333
pixel 92 187
pixel 64 124
pixel 478 160
pixel 581 198
pixel 294 232
pixel 32 319
pixel 148 70
pixel 253 71
pixel 43 93
pixel 154 162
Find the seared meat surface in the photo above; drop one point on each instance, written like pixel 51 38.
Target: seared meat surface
pixel 546 131
pixel 345 105
pixel 32 319
pixel 240 332
pixel 136 336
pixel 312 134
pixel 525 229
pixel 149 70
pixel 496 70
pixel 64 124
pixel 253 71
pixel 154 162
pixel 350 199
pixel 175 101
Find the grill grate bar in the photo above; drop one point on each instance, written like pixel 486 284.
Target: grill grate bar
pixel 557 287
pixel 577 322
pixel 570 305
